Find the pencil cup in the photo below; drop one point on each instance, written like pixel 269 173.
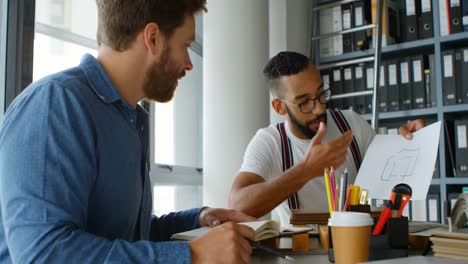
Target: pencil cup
pixel 351 232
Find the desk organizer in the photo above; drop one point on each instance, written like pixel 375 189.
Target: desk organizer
pixel 392 243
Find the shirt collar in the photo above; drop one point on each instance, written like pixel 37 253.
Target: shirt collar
pixel 99 80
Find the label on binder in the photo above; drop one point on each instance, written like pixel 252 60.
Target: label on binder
pixel 358 16
pixel 404 72
pixel 417 71
pixel 448 66
pixel 461 133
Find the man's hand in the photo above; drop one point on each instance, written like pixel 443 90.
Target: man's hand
pixel 332 153
pixel 410 127
pixel 217 216
pixel 226 243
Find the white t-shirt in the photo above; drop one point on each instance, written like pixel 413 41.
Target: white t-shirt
pixel 263 157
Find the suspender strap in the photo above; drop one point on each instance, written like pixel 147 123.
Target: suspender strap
pixel 288 161
pixel 343 126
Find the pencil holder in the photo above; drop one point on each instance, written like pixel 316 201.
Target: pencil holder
pixel 392 243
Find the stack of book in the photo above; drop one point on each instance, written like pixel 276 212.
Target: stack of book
pixel 450 245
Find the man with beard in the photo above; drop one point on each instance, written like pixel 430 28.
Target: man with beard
pixel 74 182
pixel 283 164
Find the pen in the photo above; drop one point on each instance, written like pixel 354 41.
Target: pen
pixel 327 187
pixel 270 250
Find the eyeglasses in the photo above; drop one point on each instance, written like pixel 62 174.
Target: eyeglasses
pixel 308 105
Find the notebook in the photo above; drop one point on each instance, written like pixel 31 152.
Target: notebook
pixel 263 230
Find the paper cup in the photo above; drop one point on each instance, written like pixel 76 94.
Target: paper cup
pixel 351 232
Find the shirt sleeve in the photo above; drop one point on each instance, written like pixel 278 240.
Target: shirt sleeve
pixel 259 155
pixel 47 171
pixel 162 228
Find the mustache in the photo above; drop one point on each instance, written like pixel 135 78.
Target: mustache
pixel 322 117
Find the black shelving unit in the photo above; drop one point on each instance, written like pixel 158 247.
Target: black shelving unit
pixel 436 46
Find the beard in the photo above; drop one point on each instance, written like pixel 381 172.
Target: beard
pixel 304 129
pixel 161 80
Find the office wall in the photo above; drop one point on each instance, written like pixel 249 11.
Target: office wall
pixel 290 25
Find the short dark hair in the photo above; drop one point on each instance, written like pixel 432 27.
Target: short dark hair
pixel 119 21
pixel 283 64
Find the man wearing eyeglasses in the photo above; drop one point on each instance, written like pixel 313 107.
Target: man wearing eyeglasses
pixel 283 164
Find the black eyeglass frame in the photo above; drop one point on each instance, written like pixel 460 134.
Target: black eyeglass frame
pixel 323 98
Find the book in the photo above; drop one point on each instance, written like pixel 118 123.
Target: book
pixel 450 244
pixel 263 230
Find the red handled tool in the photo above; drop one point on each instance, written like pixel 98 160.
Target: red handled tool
pixel 399 197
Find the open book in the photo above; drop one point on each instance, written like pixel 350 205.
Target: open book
pixel 263 230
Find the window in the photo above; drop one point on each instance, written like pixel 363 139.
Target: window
pixel 63 35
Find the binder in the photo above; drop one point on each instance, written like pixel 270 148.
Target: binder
pixel 383 89
pixel 406 93
pixel 448 77
pixel 326 26
pixel 337 26
pixel 461 147
pixel 444 17
pixel 427 30
pixel 418 210
pixel 393 89
pixel 326 85
pixel 464 14
pixel 433 207
pixel 359 86
pixel 464 75
pixel 348 87
pixel 417 85
pixel 369 86
pixel 362 17
pixel 337 87
pixel 432 97
pixel 409 21
pixel 458 57
pixel 451 167
pixel 455 17
pixel 347 12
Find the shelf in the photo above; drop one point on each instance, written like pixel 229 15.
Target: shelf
pixel 457 180
pixel 461 37
pixel 329 4
pixel 404 113
pixel 456 108
pixel 388 50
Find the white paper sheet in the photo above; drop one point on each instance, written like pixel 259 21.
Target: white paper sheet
pixel 392 159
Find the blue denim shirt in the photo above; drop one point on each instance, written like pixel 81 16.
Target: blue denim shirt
pixel 74 185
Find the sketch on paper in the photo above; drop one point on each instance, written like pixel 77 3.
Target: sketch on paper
pixel 401 165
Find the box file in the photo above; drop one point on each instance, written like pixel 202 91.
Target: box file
pixel 409 21
pixel 455 17
pixel 337 26
pixel 464 14
pixel 326 26
pixel 461 147
pixel 464 76
pixel 433 207
pixel 448 77
pixel 406 93
pixel 383 88
pixel 458 57
pixel 431 98
pixel 419 96
pixel 337 87
pixel 427 28
pixel 393 88
pixel 369 85
pixel 359 86
pixel 348 87
pixel 347 12
pixel 362 17
pixel 444 17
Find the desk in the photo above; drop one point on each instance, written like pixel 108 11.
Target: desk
pixel 318 256
pixel 323 259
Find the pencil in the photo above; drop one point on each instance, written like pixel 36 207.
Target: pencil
pixel 327 187
pixel 342 193
pixel 332 188
pixel 270 250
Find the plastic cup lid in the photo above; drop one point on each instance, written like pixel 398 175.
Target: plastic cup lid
pixel 350 219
